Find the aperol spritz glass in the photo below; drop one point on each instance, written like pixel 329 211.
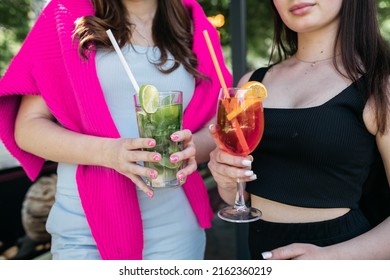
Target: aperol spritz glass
pixel 240 126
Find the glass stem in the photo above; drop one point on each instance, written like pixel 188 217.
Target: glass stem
pixel 240 199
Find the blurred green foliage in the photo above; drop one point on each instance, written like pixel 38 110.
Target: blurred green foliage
pixel 384 17
pixel 15 17
pixel 15 22
pixel 14 26
pixel 214 7
pixel 259 25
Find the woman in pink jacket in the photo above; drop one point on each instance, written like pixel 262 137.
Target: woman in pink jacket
pixel 66 98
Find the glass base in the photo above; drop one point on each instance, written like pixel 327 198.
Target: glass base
pixel 239 215
pixel 161 184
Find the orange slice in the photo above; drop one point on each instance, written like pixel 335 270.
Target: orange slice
pixel 260 89
pixel 238 109
pixel 256 95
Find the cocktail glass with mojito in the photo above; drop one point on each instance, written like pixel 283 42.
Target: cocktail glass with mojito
pixel 159 115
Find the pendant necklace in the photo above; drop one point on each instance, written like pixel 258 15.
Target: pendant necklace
pixel 315 62
pixel 142 36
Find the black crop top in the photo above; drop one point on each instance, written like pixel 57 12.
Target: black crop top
pixel 316 157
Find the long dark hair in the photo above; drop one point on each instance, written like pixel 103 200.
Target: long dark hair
pixel 172 31
pixel 364 51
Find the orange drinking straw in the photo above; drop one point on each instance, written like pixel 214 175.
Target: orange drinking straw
pixel 215 61
pixel 235 124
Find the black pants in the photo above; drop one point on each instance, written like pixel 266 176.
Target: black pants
pixel 266 236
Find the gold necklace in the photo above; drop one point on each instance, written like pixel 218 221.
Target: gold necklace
pixel 142 36
pixel 313 63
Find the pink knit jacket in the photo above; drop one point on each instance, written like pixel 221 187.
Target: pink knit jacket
pixel 48 64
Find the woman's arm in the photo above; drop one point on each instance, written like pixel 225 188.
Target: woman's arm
pixel 37 132
pixel 204 143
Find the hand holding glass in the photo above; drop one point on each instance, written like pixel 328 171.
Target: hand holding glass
pixel 160 125
pixel 240 126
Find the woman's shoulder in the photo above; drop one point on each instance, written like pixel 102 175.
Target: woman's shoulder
pixel 258 74
pixel 370 116
pixel 244 78
pixel 255 75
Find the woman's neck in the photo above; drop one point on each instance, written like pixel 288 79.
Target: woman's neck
pixel 317 46
pixel 141 14
pixel 141 11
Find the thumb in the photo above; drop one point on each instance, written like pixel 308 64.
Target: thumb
pixel 288 252
pixel 213 132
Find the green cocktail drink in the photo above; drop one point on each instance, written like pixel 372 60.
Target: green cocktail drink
pixel 159 115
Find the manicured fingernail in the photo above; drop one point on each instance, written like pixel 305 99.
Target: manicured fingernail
pixel 253 177
pixel 211 126
pixel 174 158
pixel 153 174
pixel 157 157
pixel 174 137
pixel 266 255
pixel 251 158
pixel 248 173
pixel 150 194
pixel 246 162
pixel 152 143
pixel 180 176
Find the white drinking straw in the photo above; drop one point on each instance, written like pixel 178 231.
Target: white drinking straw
pixel 122 59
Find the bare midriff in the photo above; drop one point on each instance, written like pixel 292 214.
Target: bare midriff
pixel 277 212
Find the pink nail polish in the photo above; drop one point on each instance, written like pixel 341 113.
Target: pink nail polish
pixel 174 137
pixel 174 158
pixel 153 174
pixel 180 176
pixel 152 143
pixel 156 157
pixel 150 194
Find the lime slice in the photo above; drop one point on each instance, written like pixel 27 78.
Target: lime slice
pixel 168 164
pixel 174 147
pixel 167 115
pixel 167 100
pixel 141 118
pixel 149 98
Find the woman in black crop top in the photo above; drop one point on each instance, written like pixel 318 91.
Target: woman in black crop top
pixel 326 123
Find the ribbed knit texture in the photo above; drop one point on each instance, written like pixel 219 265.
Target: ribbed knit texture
pixel 49 64
pixel 315 157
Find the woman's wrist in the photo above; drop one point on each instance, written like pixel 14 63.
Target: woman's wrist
pixel 228 192
pixel 104 158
